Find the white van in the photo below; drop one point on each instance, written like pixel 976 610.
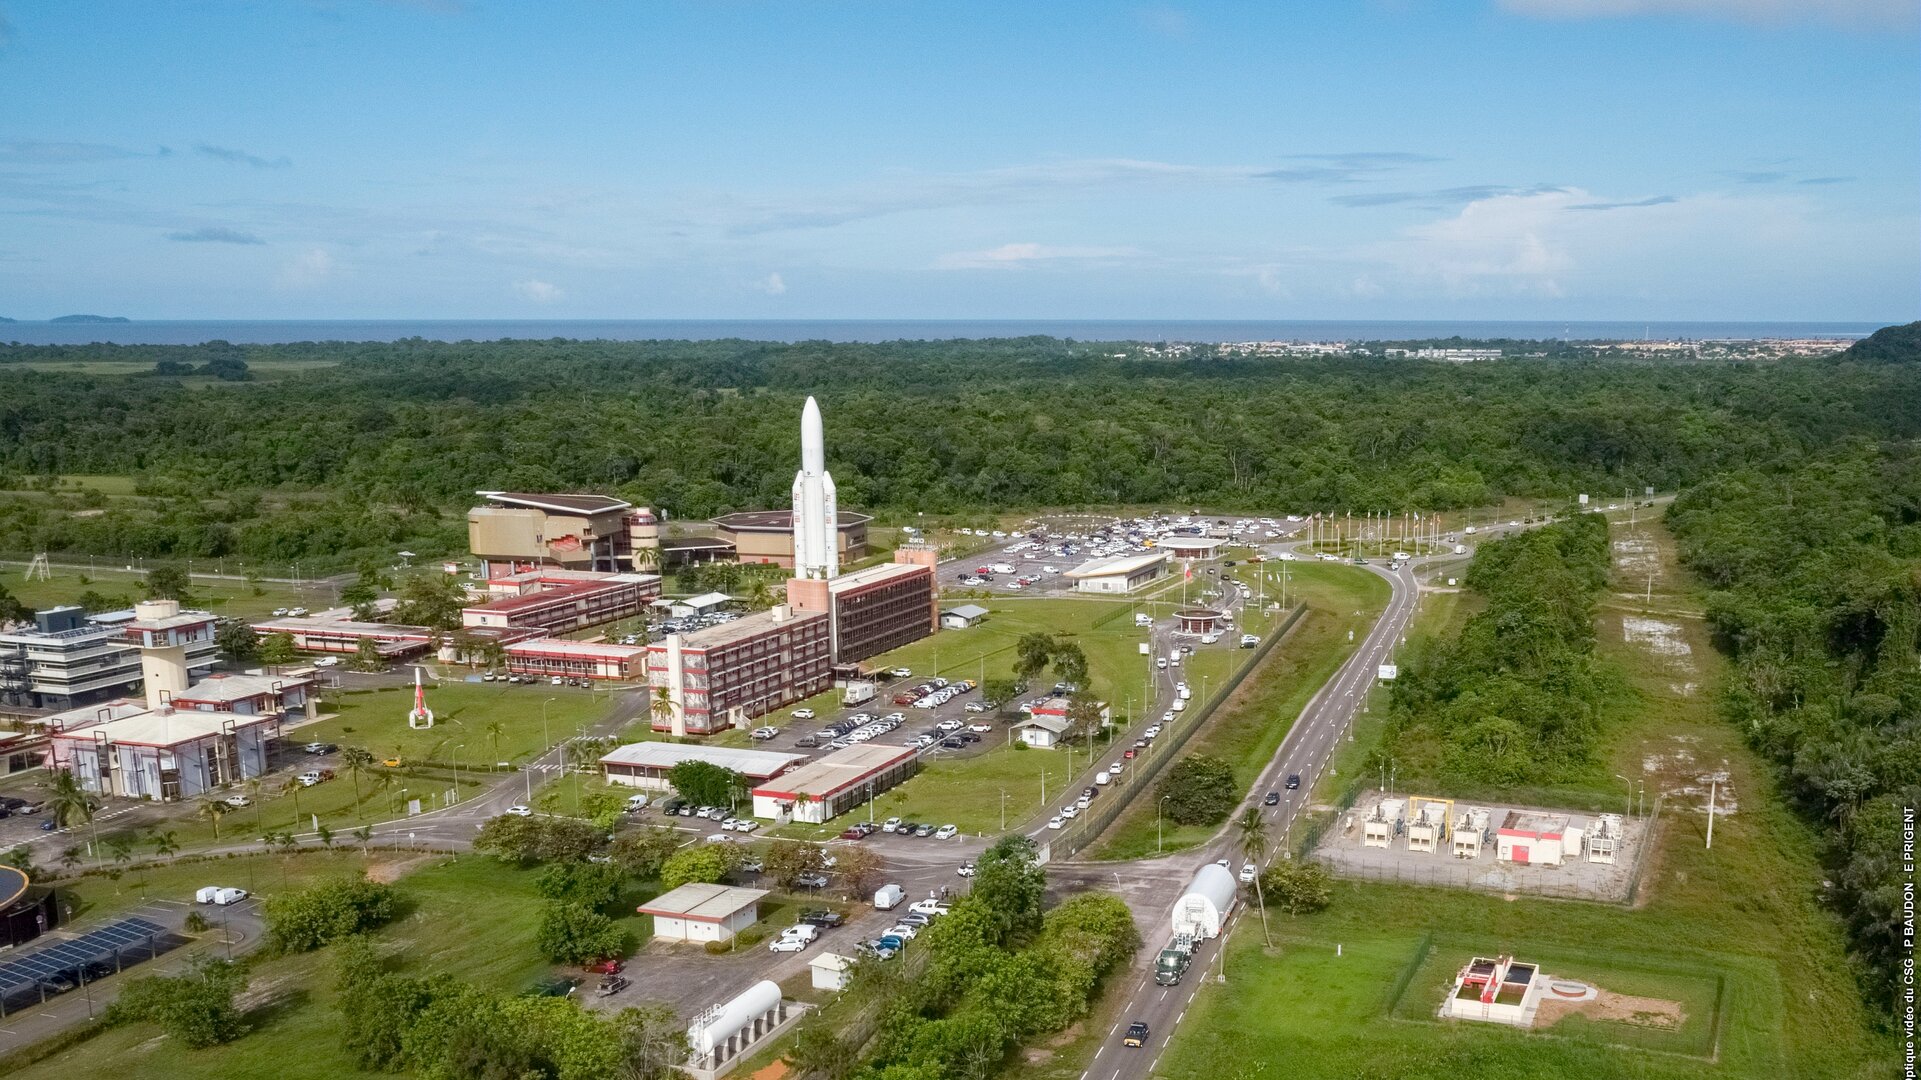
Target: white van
pixel 1174 658
pixel 636 802
pixel 215 894
pixel 1002 568
pixel 888 897
pixel 1143 619
pixel 1180 703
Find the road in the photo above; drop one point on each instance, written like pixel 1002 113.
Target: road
pixel 1306 750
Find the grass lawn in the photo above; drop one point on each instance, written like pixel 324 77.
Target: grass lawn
pixel 97 896
pixel 530 719
pixel 1249 727
pixel 220 596
pixel 470 917
pixel 1747 911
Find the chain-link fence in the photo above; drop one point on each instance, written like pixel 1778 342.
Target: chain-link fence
pixel 1147 764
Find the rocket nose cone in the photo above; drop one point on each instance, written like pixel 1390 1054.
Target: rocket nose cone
pixel 813 445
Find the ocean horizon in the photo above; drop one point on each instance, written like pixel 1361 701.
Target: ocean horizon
pixel 277 331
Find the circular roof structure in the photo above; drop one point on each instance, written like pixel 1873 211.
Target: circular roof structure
pixel 13 885
pixel 1197 613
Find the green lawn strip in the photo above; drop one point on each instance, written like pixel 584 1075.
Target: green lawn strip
pixel 97 895
pixel 1249 728
pixel 234 598
pixel 463 713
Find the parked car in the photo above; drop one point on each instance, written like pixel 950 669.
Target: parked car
pixel 320 748
pixel 237 801
pixel 946 832
pixel 518 810
pixel 823 918
pixel 965 869
pixel 611 985
pixel 606 965
pixel 930 907
pixel 811 881
pixel 315 776
pixel 803 714
pixel 786 944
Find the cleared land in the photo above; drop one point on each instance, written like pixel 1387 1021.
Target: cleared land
pixel 221 596
pixel 1747 910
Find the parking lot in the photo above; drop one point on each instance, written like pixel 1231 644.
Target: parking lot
pixel 1037 558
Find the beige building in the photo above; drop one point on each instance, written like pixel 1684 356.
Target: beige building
pixel 767 536
pixel 519 531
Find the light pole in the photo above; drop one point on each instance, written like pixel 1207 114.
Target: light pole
pixel 1630 787
pixel 1003 809
pixel 1157 823
pixel 545 739
pixel 458 747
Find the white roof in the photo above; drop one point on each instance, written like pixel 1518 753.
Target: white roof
pixel 666 755
pixel 1209 542
pixel 831 962
pixel 966 611
pixel 1119 564
pixel 562 647
pixel 704 600
pixel 837 771
pixel 231 688
pixel 168 728
pixel 1054 724
pixel 703 903
pixel 854 579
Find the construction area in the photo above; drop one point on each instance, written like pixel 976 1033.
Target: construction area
pixel 1431 840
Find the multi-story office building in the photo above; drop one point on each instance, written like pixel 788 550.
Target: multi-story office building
pixel 875 609
pixel 725 675
pixel 517 531
pixel 69 658
pixel 561 602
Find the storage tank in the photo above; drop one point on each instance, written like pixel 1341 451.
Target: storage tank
pixel 1209 898
pixel 715 1026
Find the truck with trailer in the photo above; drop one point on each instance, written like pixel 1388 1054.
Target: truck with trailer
pixel 1174 960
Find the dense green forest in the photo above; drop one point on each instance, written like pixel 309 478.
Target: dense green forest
pixel 1516 698
pixel 1817 572
pixel 389 439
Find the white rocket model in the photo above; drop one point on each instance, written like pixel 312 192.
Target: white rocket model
pixel 816 540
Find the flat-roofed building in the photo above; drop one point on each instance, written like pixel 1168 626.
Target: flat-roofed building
pixel 830 786
pixel 876 609
pixel 962 617
pixel 561 603
pixel 162 754
pixel 725 675
pixel 515 531
pixel 1535 839
pixel 700 912
pixel 549 656
pixel 1190 547
pixel 767 536
pixel 68 658
pixel 249 695
pixel 1119 574
pixel 646 765
pixel 320 633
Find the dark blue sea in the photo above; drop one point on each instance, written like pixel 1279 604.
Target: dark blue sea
pixel 187 332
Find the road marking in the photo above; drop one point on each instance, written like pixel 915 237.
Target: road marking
pixel 1164 994
pixel 1169 1039
pixel 1182 1016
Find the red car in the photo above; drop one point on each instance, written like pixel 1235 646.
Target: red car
pixel 606 965
pixel 1130 754
pixel 853 834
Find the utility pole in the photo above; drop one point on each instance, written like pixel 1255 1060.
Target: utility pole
pixel 1713 789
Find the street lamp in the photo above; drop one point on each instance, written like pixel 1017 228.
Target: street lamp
pixel 1630 787
pixel 545 739
pixel 1157 823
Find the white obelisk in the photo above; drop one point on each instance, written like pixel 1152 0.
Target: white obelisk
pixel 816 540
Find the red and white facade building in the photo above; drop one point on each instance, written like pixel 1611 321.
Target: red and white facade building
pixel 1534 839
pixel 548 657
pixel 725 675
pixel 561 601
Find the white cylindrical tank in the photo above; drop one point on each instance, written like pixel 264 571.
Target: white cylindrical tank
pixel 1204 907
pixel 713 1030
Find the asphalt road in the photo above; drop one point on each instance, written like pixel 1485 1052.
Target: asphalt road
pixel 1306 750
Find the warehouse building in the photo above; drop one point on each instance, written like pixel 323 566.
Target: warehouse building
pixel 561 602
pixel 1120 574
pixel 69 658
pixel 547 657
pixel 646 765
pixel 518 531
pixel 830 786
pixel 722 676
pixel 962 617
pixel 876 609
pixel 700 912
pixel 767 536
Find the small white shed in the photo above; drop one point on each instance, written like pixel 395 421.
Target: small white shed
pixel 831 971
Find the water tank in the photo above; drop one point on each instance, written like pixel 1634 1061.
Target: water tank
pixel 1204 906
pixel 714 1027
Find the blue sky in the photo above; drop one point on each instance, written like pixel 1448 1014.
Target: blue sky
pixel 1525 159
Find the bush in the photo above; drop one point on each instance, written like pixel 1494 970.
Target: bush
pixel 571 933
pixel 196 1007
pixel 591 885
pixel 1199 790
pixel 305 920
pixel 528 840
pixel 703 863
pixel 1296 887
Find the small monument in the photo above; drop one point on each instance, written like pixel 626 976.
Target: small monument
pixel 420 717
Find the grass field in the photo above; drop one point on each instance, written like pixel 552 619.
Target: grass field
pixel 530 719
pixel 1249 727
pixel 1747 910
pixel 220 596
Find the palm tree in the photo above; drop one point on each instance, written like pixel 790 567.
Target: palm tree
pixel 494 730
pixel 164 844
pixel 662 707
pixel 356 760
pixel 70 857
pixel 70 803
pixel 364 834
pixel 759 595
pixel 1250 834
pixel 213 810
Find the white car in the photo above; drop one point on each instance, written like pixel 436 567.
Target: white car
pixel 1057 823
pixel 327 661
pixel 1103 779
pixel 746 825
pixel 786 944
pixel 278 612
pixel 763 733
pixel 237 801
pixel 949 725
pixel 946 832
pixel 803 714
pixel 1070 811
pixel 1248 873
pixel 801 932
pixel 520 811
pixel 980 729
pixel 1114 769
pixel 930 906
pixel 216 894
pixel 901 930
pixel 309 779
pixel 974 707
pixel 890 824
pixel 965 869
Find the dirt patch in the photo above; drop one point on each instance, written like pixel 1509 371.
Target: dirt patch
pixel 259 992
pixel 388 871
pixel 1616 1008
pixel 1637 557
pixel 1686 781
pixel 1663 639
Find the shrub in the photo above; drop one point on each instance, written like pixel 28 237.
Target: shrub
pixel 312 917
pixel 1199 790
pixel 571 933
pixel 196 1007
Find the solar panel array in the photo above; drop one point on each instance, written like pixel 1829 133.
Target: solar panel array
pixel 30 969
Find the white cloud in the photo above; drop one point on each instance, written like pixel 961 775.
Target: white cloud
pixel 310 268
pixel 1011 256
pixel 772 285
pixel 539 292
pixel 1846 12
